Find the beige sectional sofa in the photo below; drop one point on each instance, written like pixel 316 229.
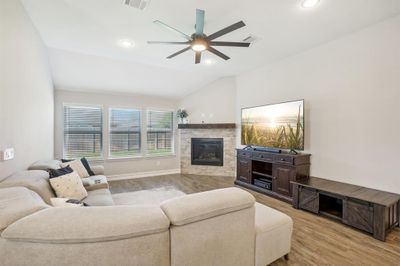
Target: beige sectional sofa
pixel 219 227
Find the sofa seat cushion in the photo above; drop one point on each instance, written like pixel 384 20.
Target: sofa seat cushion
pixel 268 219
pixel 44 165
pixel 99 197
pixel 16 203
pixel 200 206
pixel 36 180
pixel 273 234
pixel 88 225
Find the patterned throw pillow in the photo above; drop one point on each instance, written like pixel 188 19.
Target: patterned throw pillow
pixel 78 167
pixel 84 162
pixel 69 186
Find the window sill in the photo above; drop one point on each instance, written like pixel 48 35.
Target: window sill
pixel 136 158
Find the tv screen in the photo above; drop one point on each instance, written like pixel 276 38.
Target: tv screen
pixel 276 125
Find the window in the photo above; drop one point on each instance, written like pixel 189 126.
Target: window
pixel 124 132
pixel 159 132
pixel 83 135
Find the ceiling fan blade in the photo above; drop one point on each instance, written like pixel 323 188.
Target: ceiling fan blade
pixel 199 21
pixel 226 30
pixel 179 52
pixel 157 42
pixel 187 37
pixel 218 53
pixel 233 44
pixel 197 58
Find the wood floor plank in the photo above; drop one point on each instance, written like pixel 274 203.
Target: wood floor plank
pixel 316 240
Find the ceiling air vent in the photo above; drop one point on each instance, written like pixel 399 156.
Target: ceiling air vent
pixel 249 39
pixel 140 4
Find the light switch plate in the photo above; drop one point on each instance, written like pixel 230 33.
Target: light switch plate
pixel 7 154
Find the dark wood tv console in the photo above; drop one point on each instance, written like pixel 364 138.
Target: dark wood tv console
pixel 369 210
pixel 273 170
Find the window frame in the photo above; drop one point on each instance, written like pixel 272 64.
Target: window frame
pixel 87 105
pixel 140 154
pixel 173 132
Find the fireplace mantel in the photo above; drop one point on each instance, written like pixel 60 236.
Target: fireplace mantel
pixel 207 126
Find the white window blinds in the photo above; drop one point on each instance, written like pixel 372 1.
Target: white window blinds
pixel 124 132
pixel 159 132
pixel 83 135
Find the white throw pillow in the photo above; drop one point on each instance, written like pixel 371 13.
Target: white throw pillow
pixel 78 167
pixel 69 186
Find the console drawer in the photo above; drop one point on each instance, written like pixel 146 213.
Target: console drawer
pixel 284 159
pixel 242 153
pixel 262 156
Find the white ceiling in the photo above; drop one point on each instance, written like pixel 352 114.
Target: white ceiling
pixel 82 37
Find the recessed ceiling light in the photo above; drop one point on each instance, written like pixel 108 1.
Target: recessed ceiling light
pixel 309 3
pixel 208 61
pixel 126 43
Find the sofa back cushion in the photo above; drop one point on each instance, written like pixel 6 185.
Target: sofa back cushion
pixel 35 180
pixel 45 165
pixel 16 203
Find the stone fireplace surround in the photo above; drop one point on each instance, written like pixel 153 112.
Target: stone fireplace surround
pixel 225 131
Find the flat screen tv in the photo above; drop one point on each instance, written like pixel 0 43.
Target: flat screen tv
pixel 278 125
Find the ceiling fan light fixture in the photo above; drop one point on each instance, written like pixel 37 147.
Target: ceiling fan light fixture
pixel 199 45
pixel 309 3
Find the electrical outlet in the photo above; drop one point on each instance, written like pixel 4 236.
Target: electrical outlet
pixel 7 154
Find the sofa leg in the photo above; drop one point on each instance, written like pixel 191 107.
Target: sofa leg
pixel 286 257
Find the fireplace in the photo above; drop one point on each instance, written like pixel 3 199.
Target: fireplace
pixel 208 151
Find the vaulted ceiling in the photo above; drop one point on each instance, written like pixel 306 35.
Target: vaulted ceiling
pixel 82 38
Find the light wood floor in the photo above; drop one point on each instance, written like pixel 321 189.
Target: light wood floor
pixel 316 240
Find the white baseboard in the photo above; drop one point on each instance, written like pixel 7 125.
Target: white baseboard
pixel 143 174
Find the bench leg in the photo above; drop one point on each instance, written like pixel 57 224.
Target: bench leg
pixel 286 257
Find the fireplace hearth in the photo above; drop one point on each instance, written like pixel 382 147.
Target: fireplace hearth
pixel 208 151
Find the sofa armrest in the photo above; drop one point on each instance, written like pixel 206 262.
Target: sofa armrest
pixel 97 169
pixel 88 224
pixel 204 205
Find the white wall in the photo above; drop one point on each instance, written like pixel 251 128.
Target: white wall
pixel 215 103
pixel 26 91
pixel 116 166
pixel 351 88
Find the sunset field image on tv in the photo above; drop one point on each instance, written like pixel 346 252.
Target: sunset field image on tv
pixel 277 125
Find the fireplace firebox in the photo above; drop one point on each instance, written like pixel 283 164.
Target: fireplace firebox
pixel 208 151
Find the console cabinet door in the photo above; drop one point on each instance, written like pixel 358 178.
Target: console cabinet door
pixel 308 199
pixel 282 175
pixel 244 169
pixel 358 214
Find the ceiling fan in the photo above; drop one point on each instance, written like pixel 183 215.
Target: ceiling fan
pixel 199 42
